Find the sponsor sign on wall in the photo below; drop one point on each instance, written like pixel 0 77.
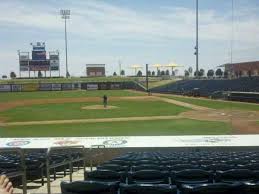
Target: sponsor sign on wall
pixel 56 87
pixel 39 55
pixel 76 86
pixel 45 87
pixel 39 65
pixel 92 86
pixel 16 88
pixel 136 141
pixel 5 88
pixel 67 86
pixel 30 87
pixel 115 86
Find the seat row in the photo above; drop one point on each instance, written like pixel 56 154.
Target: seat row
pixel 97 187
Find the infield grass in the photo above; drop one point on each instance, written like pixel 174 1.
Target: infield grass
pixel 69 111
pixel 216 104
pixel 127 128
pixel 11 96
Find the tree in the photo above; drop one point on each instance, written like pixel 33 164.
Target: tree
pixel 163 72
pixel 201 73
pixel 114 73
pixel 167 72
pixel 186 73
pixel 190 70
pixel 153 73
pixel 68 74
pixel 219 72
pixel 175 72
pixel 158 72
pixel 225 74
pixel 149 73
pixel 196 73
pixel 122 72
pixel 4 76
pixel 12 75
pixel 39 74
pixel 139 74
pixel 210 73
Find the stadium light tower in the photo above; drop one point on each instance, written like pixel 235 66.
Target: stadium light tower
pixel 197 38
pixel 65 14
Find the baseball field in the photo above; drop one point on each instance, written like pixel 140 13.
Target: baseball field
pixel 129 113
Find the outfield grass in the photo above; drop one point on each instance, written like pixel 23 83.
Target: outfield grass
pixel 10 96
pixel 136 128
pixel 216 104
pixel 73 111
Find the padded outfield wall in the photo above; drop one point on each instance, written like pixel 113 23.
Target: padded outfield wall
pixel 30 87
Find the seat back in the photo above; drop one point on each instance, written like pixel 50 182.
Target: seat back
pixel 235 175
pixel 104 175
pixel 148 177
pixel 192 176
pixel 147 189
pixel 212 188
pixel 89 187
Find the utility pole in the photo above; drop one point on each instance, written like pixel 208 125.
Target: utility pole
pixel 65 14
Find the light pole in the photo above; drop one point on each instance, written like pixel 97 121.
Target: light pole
pixel 197 38
pixel 65 14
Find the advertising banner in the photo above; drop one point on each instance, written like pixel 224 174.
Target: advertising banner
pixel 115 86
pixel 54 62
pixel 38 55
pixel 24 64
pixel 56 87
pixel 137 141
pixel 45 87
pixel 16 88
pixel 92 86
pixel 30 87
pixel 104 86
pixel 39 65
pixel 67 86
pixel 76 86
pixel 5 88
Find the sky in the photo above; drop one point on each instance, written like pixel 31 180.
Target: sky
pixel 132 32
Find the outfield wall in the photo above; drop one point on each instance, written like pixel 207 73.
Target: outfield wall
pixel 30 87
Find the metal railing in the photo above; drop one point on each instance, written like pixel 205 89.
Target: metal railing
pixel 22 171
pixel 69 162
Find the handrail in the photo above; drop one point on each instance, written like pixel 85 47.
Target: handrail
pixel 23 166
pixel 69 162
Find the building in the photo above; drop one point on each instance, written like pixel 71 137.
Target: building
pixel 95 70
pixel 244 69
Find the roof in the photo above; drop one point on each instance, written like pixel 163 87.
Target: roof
pixel 95 65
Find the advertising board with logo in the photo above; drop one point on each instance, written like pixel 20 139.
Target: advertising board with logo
pixel 67 86
pixel 16 88
pixel 56 87
pixel 45 87
pixel 30 87
pixel 5 88
pixel 92 86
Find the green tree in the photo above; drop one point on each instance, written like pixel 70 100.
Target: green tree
pixel 39 74
pixel 186 73
pixel 122 72
pixel 114 73
pixel 167 72
pixel 219 72
pixel 210 73
pixel 139 74
pixel 12 75
pixel 153 73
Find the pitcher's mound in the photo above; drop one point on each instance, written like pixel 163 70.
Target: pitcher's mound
pixel 98 107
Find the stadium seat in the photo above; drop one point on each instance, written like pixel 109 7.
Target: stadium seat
pixel 251 188
pixel 147 189
pixel 180 167
pixel 147 167
pixel 89 187
pixel 235 175
pixel 212 188
pixel 105 176
pixel 148 177
pixel 191 176
pixel 114 167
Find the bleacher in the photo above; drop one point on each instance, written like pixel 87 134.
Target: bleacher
pixel 207 86
pixel 186 172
